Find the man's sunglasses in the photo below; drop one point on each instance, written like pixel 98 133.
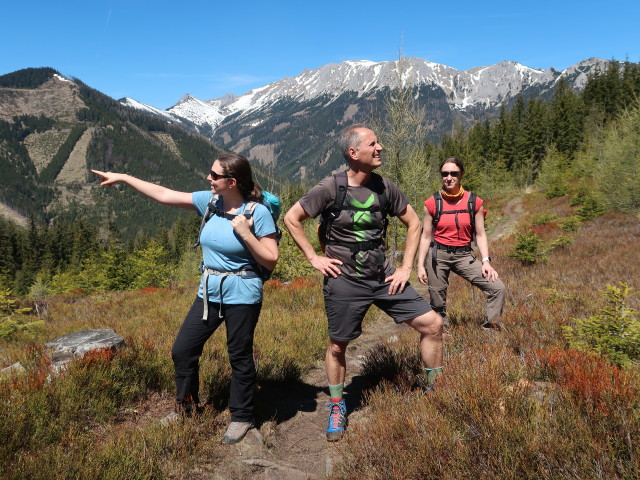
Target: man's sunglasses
pixel 453 174
pixel 217 176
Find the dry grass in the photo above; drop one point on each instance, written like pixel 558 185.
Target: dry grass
pixel 518 404
pixel 86 423
pixel 515 405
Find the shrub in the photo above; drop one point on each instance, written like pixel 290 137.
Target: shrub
pixel 555 170
pixel 614 333
pixel 561 241
pixel 597 386
pixel 12 318
pixel 570 224
pixel 618 152
pixel 591 208
pixel 292 262
pixel 543 218
pixel 527 248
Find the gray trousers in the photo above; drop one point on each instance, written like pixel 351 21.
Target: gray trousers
pixel 468 267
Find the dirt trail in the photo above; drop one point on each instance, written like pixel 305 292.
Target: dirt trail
pixel 513 211
pixel 292 445
pixel 297 446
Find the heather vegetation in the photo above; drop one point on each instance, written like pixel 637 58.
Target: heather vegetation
pixel 503 409
pixel 548 398
pixel 553 396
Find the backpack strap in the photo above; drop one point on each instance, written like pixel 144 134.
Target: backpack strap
pixel 471 205
pixel 328 216
pixel 385 203
pixel 471 209
pixel 208 213
pixel 437 196
pixel 250 208
pixel 212 209
pixel 333 212
pixel 342 184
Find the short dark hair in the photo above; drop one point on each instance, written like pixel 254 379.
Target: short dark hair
pixel 455 161
pixel 238 167
pixel 350 138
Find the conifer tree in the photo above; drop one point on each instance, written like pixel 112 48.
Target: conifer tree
pixel 536 136
pixel 567 119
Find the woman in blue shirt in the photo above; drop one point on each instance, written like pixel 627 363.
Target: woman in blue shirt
pixel 232 246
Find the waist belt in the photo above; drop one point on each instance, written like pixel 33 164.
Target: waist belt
pixel 246 272
pixel 451 248
pixel 356 247
pixel 435 246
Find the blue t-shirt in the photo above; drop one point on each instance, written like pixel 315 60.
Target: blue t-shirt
pixel 222 249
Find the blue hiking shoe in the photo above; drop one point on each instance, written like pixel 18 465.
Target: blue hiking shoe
pixel 337 420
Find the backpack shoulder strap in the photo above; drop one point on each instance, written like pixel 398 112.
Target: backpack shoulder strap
pixel 383 198
pixel 437 196
pixel 250 208
pixel 471 205
pixel 342 184
pixel 208 213
pixel 330 214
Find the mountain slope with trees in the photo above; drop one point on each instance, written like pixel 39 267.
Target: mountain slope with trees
pixel 38 106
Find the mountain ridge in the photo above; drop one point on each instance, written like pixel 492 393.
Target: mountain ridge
pixel 319 102
pixel 213 111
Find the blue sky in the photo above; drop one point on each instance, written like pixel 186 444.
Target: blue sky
pixel 155 52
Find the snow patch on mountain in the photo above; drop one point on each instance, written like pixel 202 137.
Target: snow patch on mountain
pixel 199 112
pixel 61 78
pixel 483 86
pixel 130 102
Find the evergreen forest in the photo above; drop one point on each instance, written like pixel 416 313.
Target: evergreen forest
pixel 575 144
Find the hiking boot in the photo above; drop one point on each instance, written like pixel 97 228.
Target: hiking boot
pixel 236 432
pixel 493 326
pixel 421 383
pixel 337 420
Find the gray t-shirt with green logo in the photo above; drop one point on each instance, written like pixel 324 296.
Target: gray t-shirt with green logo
pixel 356 225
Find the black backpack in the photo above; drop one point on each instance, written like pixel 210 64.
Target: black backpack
pixel 471 210
pixel 329 215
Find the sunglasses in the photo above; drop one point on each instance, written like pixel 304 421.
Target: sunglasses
pixel 217 176
pixel 453 174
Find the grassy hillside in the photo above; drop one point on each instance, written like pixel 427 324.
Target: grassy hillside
pixel 53 131
pixel 520 404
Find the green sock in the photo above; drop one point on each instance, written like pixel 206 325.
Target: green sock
pixel 432 374
pixel 335 391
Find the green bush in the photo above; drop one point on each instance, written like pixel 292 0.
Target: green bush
pixel 570 224
pixel 12 318
pixel 614 332
pixel 527 248
pixel 561 241
pixel 292 262
pixel 543 218
pixel 617 167
pixel 555 170
pixel 591 208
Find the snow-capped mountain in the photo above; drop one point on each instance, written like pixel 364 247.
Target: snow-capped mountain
pixel 265 122
pixel 480 86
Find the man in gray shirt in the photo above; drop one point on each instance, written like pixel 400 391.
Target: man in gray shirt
pixel 354 265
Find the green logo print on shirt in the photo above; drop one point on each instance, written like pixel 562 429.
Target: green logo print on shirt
pixel 362 220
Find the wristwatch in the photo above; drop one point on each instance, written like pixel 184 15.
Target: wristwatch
pixel 486 259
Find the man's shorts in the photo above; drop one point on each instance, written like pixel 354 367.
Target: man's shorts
pixel 347 299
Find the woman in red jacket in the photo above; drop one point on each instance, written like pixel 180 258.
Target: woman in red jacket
pixel 448 240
